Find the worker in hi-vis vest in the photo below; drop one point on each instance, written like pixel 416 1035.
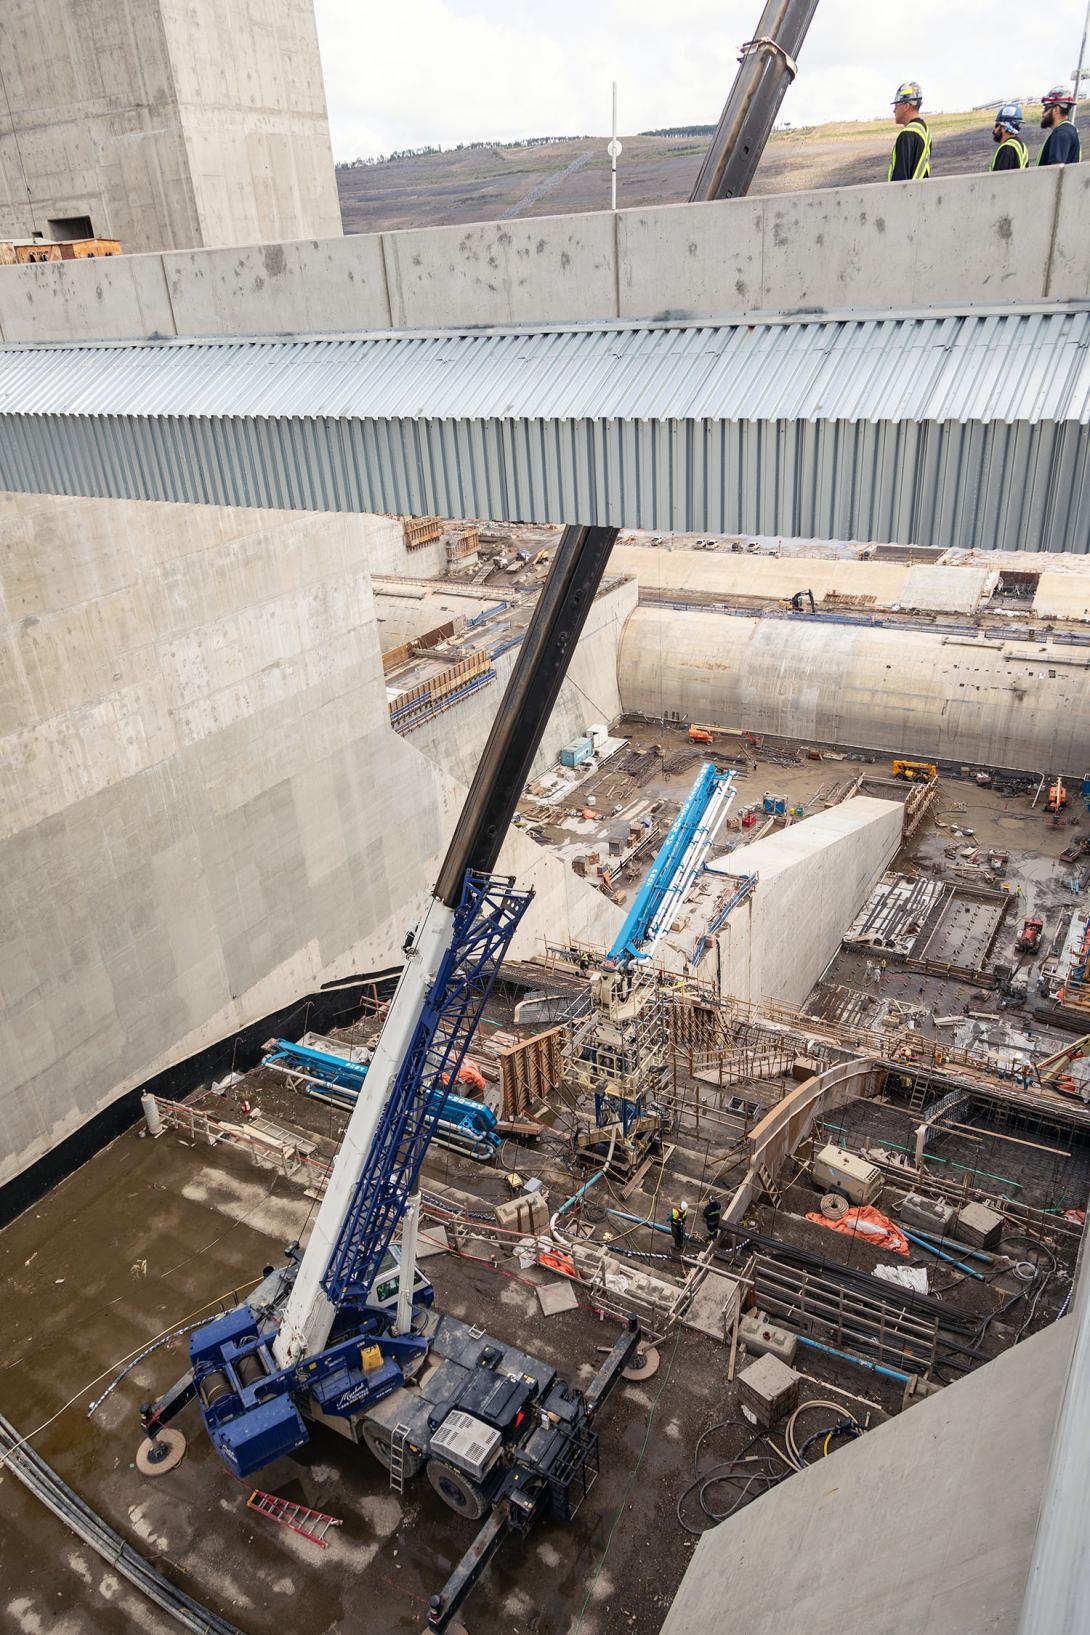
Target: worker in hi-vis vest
pixel 1011 153
pixel 910 160
pixel 1061 146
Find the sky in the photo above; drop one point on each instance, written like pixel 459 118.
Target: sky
pixel 446 71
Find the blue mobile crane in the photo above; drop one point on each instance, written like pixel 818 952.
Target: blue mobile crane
pixel 338 1334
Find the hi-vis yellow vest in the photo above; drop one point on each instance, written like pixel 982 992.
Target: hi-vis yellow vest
pixel 923 163
pixel 1019 147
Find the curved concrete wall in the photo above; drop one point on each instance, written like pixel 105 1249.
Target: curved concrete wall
pixel 1013 704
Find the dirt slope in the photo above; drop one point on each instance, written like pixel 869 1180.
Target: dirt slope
pixel 485 184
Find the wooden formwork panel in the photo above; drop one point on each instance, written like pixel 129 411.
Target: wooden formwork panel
pixel 530 1070
pixel 420 531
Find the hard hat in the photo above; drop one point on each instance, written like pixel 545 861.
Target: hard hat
pixel 909 91
pixel 684 1208
pixel 1009 117
pixel 1060 96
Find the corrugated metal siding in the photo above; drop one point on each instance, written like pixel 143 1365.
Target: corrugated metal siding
pixel 968 430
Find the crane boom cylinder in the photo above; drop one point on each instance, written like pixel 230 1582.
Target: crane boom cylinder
pixel 769 63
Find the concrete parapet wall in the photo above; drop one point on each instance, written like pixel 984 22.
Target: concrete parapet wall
pixel 1024 705
pixel 988 239
pixel 205 811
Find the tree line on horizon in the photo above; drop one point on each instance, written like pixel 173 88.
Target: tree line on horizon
pixel 523 142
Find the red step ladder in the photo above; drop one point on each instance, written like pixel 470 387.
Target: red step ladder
pixel 312 1524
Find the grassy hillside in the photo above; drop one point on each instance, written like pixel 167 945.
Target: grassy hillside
pixel 485 184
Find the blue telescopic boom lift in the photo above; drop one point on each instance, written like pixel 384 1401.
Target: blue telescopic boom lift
pixel 335 1334
pixel 680 858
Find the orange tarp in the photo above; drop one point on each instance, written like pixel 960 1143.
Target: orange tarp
pixel 871 1225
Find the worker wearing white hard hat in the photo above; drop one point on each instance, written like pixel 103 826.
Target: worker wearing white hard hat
pixel 910 160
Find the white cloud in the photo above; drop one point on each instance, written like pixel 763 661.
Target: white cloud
pixel 459 70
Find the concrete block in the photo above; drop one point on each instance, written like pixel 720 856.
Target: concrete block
pixel 840 247
pixel 1069 272
pixel 929 1214
pixel 556 1297
pixel 980 1226
pixel 769 1389
pixel 698 259
pixel 277 289
pixel 507 272
pixel 526 1214
pixel 431 1241
pixel 761 1337
pixel 116 298
pixel 1006 257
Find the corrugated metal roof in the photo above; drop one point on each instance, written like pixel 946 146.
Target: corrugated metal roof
pixel 955 429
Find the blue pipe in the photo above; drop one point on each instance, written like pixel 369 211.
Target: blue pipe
pixel 597 1176
pixel 860 1362
pixel 963 1249
pixel 639 1221
pixel 930 1248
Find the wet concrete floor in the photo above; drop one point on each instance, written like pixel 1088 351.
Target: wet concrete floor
pixel 137 1242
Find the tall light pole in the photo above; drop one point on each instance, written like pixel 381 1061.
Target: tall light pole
pixel 614 148
pixel 1082 57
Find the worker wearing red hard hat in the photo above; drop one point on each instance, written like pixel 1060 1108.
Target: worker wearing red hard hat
pixel 910 160
pixel 1061 146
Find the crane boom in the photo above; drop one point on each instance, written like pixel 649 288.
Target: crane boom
pixel 432 1014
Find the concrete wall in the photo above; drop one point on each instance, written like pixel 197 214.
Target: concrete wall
pixel 917 1528
pixel 1014 704
pixel 813 879
pixel 1012 237
pixel 588 694
pixel 204 809
pixel 171 123
pixel 731 573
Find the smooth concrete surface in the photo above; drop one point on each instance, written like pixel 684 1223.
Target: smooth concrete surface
pixel 170 123
pixel 588 694
pixel 1062 596
pixel 891 585
pixel 813 877
pixel 1018 704
pixel 205 811
pixel 988 239
pixel 923 1526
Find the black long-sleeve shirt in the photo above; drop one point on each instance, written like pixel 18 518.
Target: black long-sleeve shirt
pixel 908 150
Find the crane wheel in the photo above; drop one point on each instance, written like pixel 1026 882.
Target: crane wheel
pixel 643 1365
pixel 457 1490
pixel 158 1456
pixel 379 1447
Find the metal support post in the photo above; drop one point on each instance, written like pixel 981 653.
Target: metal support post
pixel 410 1222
